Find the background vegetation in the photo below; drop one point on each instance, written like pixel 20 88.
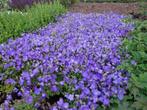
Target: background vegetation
pixel 68 2
pixel 136 64
pixel 14 23
pixel 134 55
pixel 3 4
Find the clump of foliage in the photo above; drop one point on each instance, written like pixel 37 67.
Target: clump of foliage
pixel 142 13
pixel 136 64
pixel 14 23
pixel 23 106
pixel 143 9
pixel 67 3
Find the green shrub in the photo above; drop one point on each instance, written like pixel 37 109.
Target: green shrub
pixel 136 64
pixel 67 3
pixel 14 23
pixel 143 8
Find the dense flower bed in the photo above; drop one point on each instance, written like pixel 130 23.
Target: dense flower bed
pixel 74 59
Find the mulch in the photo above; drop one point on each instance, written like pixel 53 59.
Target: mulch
pixel 121 8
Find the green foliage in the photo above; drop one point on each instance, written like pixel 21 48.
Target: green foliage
pixel 23 106
pixel 67 3
pixel 136 65
pixel 143 8
pixel 3 4
pixel 14 23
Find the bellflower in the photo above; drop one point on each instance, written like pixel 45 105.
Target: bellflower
pixel 77 57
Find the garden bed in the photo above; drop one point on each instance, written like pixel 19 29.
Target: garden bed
pixel 92 61
pixel 57 60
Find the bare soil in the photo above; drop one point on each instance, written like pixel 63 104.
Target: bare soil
pixel 121 8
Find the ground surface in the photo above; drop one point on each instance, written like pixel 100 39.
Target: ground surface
pixel 123 8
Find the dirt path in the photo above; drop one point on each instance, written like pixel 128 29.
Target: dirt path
pixel 123 8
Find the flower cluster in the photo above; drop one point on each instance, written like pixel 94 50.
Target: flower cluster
pixel 74 59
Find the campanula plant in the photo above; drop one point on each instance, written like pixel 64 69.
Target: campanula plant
pixel 73 61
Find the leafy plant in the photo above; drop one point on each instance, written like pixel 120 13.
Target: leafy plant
pixel 136 64
pixel 67 3
pixel 14 23
pixel 23 106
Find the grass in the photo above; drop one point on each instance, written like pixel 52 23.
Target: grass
pixel 14 23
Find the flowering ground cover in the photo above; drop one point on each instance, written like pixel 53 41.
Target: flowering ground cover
pixel 67 65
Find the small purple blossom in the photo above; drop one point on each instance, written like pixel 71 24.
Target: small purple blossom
pixel 70 97
pixel 29 99
pixel 133 62
pixel 10 81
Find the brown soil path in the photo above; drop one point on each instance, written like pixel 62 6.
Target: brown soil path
pixel 123 8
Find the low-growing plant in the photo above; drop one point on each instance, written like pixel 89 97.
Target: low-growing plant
pixel 23 106
pixel 136 64
pixel 67 3
pixel 70 64
pixel 14 23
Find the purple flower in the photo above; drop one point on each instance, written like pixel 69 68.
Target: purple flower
pixel 54 88
pixel 84 107
pixel 44 95
pixel 37 105
pixel 77 56
pixel 29 99
pixel 65 105
pixel 10 81
pixel 60 102
pixel 104 100
pixel 70 97
pixel 12 108
pixel 62 83
pixel 1 76
pixel 107 68
pixel 133 62
pixel 9 97
pixel 120 94
pixel 37 91
pixel 54 108
pixel 96 92
pixel 21 81
pixel 25 75
pixel 19 94
pixel 34 72
pixel 6 103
